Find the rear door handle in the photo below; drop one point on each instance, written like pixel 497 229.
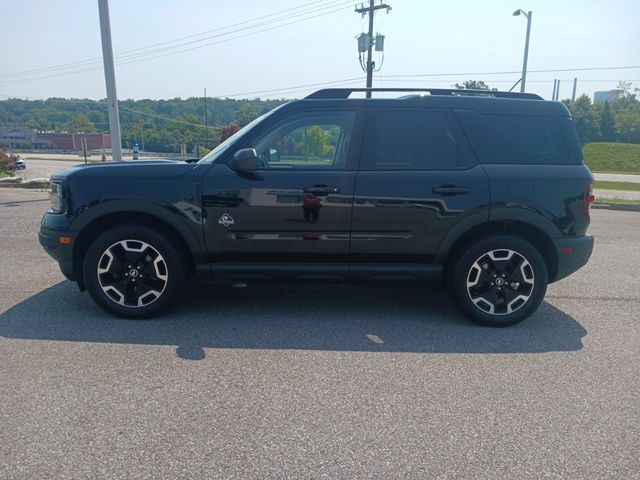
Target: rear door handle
pixel 450 190
pixel 321 190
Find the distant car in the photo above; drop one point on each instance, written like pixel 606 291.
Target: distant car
pixel 20 164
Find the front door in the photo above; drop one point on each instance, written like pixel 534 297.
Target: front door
pixel 297 207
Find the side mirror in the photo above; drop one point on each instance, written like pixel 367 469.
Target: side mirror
pixel 246 160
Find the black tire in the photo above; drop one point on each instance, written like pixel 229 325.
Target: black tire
pixel 134 271
pixel 494 287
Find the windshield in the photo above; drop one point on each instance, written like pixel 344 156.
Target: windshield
pixel 213 154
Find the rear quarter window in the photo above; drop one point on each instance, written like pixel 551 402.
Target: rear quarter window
pixel 516 139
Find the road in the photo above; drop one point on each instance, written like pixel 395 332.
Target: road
pixel 40 168
pixel 273 382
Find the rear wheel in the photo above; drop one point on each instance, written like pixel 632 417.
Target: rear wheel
pixel 133 271
pixel 498 281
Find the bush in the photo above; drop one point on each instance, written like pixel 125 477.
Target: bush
pixel 7 163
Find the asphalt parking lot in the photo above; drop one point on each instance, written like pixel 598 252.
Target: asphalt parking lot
pixel 319 382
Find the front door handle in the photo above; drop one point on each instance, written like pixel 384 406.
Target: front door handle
pixel 450 190
pixel 321 190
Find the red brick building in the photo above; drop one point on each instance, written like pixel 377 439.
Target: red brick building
pixel 73 141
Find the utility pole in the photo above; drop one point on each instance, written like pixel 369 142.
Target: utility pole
pixel 206 125
pixel 366 42
pixel 575 86
pixel 110 80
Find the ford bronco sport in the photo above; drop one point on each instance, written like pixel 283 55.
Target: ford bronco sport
pixel 484 193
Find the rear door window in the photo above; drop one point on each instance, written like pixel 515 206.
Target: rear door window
pixel 409 139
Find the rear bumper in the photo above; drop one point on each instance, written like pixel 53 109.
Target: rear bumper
pixel 568 263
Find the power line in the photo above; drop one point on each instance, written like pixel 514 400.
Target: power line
pixel 401 77
pixel 229 39
pixel 97 59
pixel 15 82
pixel 592 80
pixel 274 90
pixel 140 52
pixel 332 4
pixel 225 27
pixel 584 69
pixel 162 117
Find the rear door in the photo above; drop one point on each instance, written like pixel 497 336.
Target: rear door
pixel 417 179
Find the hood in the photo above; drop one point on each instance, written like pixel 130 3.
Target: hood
pixel 142 169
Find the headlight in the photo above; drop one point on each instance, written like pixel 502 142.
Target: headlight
pixel 56 196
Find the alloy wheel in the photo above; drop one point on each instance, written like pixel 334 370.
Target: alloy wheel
pixel 132 273
pixel 500 282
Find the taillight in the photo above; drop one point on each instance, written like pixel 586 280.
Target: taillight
pixel 589 198
pixel 589 192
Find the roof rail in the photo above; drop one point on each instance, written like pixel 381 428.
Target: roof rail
pixel 337 93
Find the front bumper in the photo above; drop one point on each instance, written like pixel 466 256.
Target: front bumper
pixel 568 263
pixel 49 237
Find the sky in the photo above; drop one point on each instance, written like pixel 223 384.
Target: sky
pixel 282 49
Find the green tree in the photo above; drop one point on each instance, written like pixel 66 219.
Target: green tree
pixel 628 126
pixel 80 124
pixel 473 85
pixel 585 118
pixel 246 114
pixel 161 132
pixel 317 142
pixel 607 124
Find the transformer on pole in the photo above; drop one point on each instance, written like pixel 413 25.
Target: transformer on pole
pixel 366 41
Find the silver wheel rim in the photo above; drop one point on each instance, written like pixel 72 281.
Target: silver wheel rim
pixel 500 282
pixel 132 273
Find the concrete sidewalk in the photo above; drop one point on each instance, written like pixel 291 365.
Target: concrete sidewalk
pixel 619 194
pixel 617 177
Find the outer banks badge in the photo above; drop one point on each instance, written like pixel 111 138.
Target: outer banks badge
pixel 226 220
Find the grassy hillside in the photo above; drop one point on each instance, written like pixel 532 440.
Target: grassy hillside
pixel 612 157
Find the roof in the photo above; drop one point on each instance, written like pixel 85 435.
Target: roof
pixel 484 101
pixel 334 93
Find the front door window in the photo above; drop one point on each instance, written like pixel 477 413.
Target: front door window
pixel 308 142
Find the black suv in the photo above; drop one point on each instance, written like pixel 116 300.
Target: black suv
pixel 485 193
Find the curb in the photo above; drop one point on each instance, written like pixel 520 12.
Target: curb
pixel 28 184
pixel 621 208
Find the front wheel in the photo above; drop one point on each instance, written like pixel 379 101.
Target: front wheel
pixel 498 281
pixel 133 271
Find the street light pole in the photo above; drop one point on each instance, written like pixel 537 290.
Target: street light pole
pixel 110 80
pixel 526 46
